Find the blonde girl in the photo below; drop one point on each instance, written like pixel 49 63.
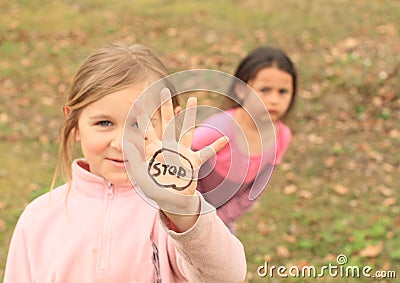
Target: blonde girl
pixel 97 227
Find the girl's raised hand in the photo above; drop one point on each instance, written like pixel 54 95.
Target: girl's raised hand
pixel 165 168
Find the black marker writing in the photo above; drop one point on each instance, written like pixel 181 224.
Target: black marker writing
pixel 158 170
pixel 170 169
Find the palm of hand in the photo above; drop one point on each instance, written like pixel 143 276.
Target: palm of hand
pixel 166 169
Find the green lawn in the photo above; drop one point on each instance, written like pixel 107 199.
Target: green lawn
pixel 337 191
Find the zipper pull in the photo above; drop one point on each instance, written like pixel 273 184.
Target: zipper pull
pixel 110 190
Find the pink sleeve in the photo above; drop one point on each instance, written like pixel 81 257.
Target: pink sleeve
pixel 203 251
pixel 236 206
pixel 17 266
pixel 282 141
pixel 204 136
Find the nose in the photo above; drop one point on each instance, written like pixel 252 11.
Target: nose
pixel 273 98
pixel 116 141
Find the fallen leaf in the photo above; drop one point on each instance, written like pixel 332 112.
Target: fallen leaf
pixel 4 118
pixel 388 167
pixel 389 201
pixel 340 190
pixel 282 251
pixel 3 205
pixel 305 194
pixel 313 138
pixel 262 228
pixel 385 191
pixel 2 225
pixel 371 251
pixel 290 176
pixel 290 238
pixel 330 161
pixel 289 189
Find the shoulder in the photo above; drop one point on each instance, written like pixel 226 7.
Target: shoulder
pixel 36 214
pixel 212 128
pixel 47 199
pixel 220 121
pixel 284 132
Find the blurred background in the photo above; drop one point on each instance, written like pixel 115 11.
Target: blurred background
pixel 337 190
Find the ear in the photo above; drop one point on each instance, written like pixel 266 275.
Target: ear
pixel 75 131
pixel 67 110
pixel 240 91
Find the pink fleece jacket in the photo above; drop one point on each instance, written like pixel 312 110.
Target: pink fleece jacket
pixel 99 232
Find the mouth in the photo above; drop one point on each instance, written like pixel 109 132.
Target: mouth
pixel 117 162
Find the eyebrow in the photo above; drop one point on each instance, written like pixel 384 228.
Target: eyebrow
pixel 100 116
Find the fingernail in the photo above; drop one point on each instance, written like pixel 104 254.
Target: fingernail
pixel 165 94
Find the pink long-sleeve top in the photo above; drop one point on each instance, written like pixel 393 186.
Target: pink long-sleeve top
pixel 99 232
pixel 236 175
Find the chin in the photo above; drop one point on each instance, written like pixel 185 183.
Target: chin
pixel 123 180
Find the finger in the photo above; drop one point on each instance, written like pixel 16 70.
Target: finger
pixel 189 122
pixel 210 150
pixel 167 115
pixel 219 143
pixel 144 122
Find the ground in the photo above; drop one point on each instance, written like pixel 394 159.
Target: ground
pixel 337 190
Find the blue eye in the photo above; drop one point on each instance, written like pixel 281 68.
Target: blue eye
pixel 104 123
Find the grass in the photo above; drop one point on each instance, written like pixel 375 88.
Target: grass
pixel 336 191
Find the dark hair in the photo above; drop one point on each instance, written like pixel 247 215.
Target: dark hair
pixel 260 58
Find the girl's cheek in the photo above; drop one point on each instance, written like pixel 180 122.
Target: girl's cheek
pixel 95 144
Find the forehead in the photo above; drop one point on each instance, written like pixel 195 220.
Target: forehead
pixel 273 75
pixel 116 102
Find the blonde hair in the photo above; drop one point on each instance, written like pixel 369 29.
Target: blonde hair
pixel 109 69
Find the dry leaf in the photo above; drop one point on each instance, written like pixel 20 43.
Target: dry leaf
pixel 371 251
pixel 394 133
pixel 267 257
pixel 313 138
pixel 2 225
pixel 43 139
pixel 4 118
pixel 282 251
pixel 385 191
pixel 388 167
pixel 290 176
pixel 389 201
pixel 290 189
pixel 3 205
pixel 305 194
pixel 340 190
pixel 290 238
pixel 262 228
pixel 330 161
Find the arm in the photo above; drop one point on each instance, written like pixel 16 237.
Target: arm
pixel 236 206
pixel 17 265
pixel 156 164
pixel 207 252
pixel 283 139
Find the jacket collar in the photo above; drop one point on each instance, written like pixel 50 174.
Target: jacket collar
pixel 93 185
